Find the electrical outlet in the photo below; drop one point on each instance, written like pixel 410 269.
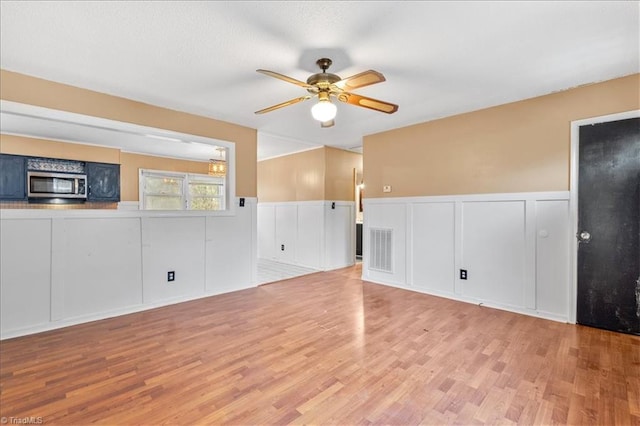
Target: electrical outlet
pixel 463 274
pixel 171 276
pixel 281 247
pixel 241 202
pixel 386 188
pixel 333 205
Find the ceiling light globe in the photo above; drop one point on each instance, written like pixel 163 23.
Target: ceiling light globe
pixel 324 111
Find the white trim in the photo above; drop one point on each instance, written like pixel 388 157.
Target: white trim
pixel 307 203
pixel 458 245
pixel 573 200
pixel 113 213
pixel 16 108
pixel 56 324
pixel 252 203
pixel 509 196
pixel 409 242
pixel 479 302
pixel 291 153
pixel 530 269
pixel 128 205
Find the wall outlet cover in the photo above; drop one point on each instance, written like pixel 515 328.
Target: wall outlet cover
pixel 386 188
pixel 171 276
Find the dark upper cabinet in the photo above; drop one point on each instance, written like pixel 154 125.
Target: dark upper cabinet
pixel 13 177
pixel 103 181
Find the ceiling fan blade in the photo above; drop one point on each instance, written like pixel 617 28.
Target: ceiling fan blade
pixel 363 101
pixel 360 80
pixel 284 78
pixel 283 104
pixel 329 123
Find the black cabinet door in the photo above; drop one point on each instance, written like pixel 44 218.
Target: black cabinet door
pixel 13 177
pixel 103 181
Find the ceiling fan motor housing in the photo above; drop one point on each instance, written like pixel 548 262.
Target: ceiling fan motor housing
pixel 323 80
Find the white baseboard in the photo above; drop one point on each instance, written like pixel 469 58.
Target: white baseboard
pixel 68 322
pixel 487 304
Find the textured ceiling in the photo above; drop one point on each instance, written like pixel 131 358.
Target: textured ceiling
pixel 439 58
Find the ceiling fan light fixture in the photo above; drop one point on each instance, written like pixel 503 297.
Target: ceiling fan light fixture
pixel 324 110
pixel 324 85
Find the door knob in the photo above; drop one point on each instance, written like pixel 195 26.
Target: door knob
pixel 584 237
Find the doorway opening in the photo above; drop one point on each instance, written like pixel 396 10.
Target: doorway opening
pixel 358 195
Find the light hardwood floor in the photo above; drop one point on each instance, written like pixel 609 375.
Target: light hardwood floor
pixel 325 349
pixel 270 271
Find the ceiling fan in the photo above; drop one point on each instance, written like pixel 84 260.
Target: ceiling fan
pixel 325 85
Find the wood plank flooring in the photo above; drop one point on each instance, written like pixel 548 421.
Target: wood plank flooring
pixel 325 349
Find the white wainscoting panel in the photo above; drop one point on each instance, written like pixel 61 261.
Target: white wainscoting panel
pixel 432 244
pixel 493 247
pixel 552 257
pixel 266 231
pixel 101 267
pixel 515 248
pixel 309 235
pixel 25 273
pixel 314 234
pixel 173 244
pixel 286 232
pixel 65 267
pixel 340 239
pixel 230 247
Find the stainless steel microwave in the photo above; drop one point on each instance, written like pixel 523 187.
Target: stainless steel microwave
pixel 56 185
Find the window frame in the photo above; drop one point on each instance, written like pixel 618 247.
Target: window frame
pixel 191 177
pixel 185 196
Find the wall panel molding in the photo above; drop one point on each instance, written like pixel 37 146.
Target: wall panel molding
pixel 78 266
pixel 514 247
pixel 314 233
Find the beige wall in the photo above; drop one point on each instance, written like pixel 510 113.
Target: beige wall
pixel 319 174
pixel 34 91
pixel 518 147
pixel 339 174
pixel 19 145
pixel 295 177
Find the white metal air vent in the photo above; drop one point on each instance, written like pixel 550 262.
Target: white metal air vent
pixel 380 244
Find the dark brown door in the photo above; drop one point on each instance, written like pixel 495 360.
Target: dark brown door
pixel 609 226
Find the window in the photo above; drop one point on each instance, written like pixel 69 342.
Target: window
pixel 205 193
pixel 161 190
